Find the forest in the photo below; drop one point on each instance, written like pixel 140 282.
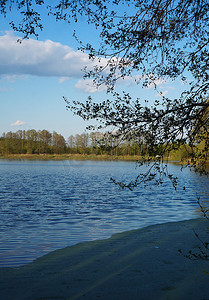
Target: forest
pixel 45 142
pixel 97 143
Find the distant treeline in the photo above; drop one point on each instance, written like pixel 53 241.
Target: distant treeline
pixel 45 142
pixel 32 142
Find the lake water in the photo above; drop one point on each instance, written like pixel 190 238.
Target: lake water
pixel 47 205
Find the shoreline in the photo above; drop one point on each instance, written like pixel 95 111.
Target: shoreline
pixel 85 157
pixel 68 157
pixel 137 264
pixel 78 157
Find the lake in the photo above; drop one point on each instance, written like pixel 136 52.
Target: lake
pixel 47 205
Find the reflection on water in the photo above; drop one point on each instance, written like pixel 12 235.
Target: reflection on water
pixel 47 205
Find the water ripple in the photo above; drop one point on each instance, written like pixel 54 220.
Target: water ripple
pixel 46 205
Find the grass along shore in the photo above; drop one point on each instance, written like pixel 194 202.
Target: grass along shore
pixel 71 157
pixel 99 157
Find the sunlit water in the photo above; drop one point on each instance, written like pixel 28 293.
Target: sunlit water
pixel 47 205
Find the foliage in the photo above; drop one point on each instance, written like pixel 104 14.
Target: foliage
pixel 32 142
pixel 44 142
pixel 155 40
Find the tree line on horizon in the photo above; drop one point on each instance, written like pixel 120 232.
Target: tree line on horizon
pixel 45 142
pixel 98 143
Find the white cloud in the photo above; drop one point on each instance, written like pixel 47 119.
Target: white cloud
pixel 18 123
pixel 88 86
pixel 130 80
pixel 156 82
pixel 133 80
pixel 11 78
pixel 40 58
pixel 48 58
pixel 63 79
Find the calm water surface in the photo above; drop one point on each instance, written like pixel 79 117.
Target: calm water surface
pixel 47 205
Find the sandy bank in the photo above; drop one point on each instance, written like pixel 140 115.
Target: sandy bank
pixel 139 264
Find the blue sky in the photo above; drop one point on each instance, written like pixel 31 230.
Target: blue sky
pixel 36 74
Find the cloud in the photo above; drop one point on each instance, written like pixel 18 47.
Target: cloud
pixel 63 79
pixel 18 123
pixel 52 59
pixel 137 79
pixel 40 58
pixel 130 80
pixel 87 86
pixel 156 82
